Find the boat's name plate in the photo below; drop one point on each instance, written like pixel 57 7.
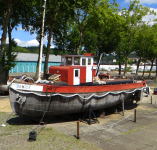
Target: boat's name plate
pixel 27 87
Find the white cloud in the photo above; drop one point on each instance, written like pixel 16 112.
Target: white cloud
pixel 149 18
pixel 19 29
pixel 27 43
pixel 144 1
pixel 155 9
pixel 52 46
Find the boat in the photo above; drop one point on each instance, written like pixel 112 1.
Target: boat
pixel 73 87
pixel 70 88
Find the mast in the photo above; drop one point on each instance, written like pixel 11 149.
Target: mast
pixel 99 64
pixel 41 44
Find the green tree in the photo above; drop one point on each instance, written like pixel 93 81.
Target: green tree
pixel 133 16
pixel 141 42
pixel 93 29
pixel 120 55
pixel 57 11
pixel 84 18
pixel 6 10
pixel 12 13
pixel 151 52
pixel 67 42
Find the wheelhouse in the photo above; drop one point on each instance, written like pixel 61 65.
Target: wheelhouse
pixel 75 69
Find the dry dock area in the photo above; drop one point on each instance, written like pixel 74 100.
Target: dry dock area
pixel 114 131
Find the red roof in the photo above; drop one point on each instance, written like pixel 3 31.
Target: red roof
pixel 89 54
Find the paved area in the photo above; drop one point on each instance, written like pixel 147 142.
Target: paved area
pixel 120 132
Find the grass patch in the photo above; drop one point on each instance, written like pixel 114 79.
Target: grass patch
pixel 2 113
pixel 144 127
pixel 150 110
pixel 13 136
pixel 49 129
pixel 130 131
pixel 108 139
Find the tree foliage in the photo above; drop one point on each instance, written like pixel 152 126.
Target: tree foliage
pixel 77 27
pixel 132 17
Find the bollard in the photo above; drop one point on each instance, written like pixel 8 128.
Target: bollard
pixel 78 130
pixel 123 107
pixel 134 115
pixel 151 99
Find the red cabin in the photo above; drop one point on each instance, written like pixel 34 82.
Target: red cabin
pixel 75 69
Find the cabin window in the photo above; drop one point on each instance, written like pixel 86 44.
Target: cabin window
pixel 89 61
pixel 69 61
pixel 76 73
pixel 83 61
pixel 76 60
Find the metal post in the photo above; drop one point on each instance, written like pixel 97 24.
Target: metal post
pixel 151 99
pixel 89 114
pixel 41 41
pixel 123 107
pixel 134 115
pixel 78 130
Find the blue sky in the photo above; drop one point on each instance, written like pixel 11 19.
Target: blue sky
pixel 24 38
pixel 147 3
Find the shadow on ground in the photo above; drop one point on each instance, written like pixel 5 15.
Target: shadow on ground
pixel 70 118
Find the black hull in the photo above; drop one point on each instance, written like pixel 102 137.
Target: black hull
pixel 34 104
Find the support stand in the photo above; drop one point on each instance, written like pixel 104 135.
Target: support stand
pixel 91 118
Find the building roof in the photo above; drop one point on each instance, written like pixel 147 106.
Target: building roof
pixel 34 57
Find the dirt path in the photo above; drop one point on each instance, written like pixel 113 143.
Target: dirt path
pixel 5 104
